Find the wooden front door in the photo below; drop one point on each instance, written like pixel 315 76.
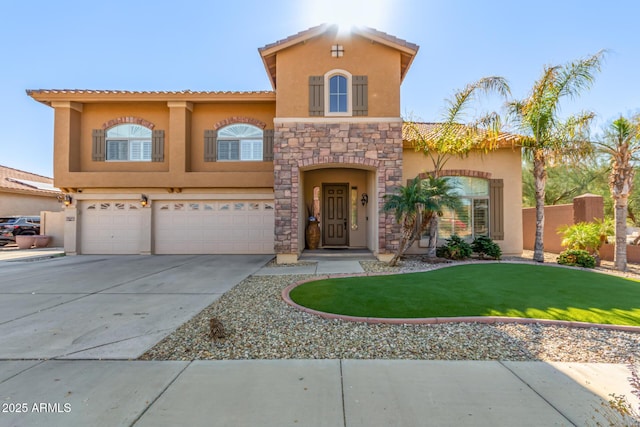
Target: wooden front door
pixel 335 215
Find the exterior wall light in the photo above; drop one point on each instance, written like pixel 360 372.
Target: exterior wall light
pixel 144 200
pixel 68 200
pixel 364 199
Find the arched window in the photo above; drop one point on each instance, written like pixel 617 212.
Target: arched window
pixel 128 142
pixel 240 141
pixel 338 94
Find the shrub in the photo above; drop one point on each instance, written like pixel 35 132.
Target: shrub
pixel 485 247
pixel 586 235
pixel 577 257
pixel 455 248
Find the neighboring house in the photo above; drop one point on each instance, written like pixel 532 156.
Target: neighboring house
pixel 24 193
pixel 240 172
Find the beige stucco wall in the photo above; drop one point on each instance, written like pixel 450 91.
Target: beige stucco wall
pixel 501 164
pixel 95 115
pixel 52 224
pixel 183 167
pixel 27 204
pixel 205 116
pixel 361 57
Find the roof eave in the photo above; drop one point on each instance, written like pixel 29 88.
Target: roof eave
pixel 48 96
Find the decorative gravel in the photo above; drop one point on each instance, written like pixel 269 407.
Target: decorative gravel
pixel 259 325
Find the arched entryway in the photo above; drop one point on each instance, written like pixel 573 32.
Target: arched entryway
pixel 342 200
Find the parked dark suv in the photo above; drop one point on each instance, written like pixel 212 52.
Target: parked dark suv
pixel 11 226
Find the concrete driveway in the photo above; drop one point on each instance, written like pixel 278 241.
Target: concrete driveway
pixel 108 307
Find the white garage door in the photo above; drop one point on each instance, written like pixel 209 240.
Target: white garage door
pixel 213 227
pixel 110 227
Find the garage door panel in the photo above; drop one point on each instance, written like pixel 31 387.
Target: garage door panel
pixel 213 226
pixel 109 227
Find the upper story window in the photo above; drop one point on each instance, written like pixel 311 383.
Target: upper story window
pixel 338 94
pixel 128 142
pixel 240 142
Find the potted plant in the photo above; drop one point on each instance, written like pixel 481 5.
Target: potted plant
pixel 313 230
pixel 25 241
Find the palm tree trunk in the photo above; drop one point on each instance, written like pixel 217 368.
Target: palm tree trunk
pixel 540 177
pixel 433 236
pixel 620 256
pixel 407 238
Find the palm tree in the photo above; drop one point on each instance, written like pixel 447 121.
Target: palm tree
pixel 621 143
pixel 546 138
pixel 415 204
pixel 456 136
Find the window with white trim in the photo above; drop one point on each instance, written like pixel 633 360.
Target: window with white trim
pixel 337 93
pixel 128 142
pixel 240 142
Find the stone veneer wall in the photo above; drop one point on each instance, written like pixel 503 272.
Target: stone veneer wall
pixel 365 145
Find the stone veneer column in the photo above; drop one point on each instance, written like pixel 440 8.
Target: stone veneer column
pixel 375 145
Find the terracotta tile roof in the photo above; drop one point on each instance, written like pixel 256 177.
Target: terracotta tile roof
pixel 388 37
pixel 31 92
pixel 48 96
pixel 407 50
pixel 21 181
pixel 412 131
pixel 319 29
pixel 302 35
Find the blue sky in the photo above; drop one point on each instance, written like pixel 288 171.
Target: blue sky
pixel 212 45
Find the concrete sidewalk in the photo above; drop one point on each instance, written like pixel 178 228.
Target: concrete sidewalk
pixel 13 253
pixel 331 393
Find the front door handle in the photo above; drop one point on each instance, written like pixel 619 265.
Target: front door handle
pixel 345 224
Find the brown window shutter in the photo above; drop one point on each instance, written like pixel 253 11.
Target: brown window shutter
pixel 267 145
pixel 99 145
pixel 496 208
pixel 316 95
pixel 210 145
pixel 157 146
pixel 360 97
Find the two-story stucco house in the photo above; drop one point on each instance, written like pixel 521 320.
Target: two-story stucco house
pixel 241 172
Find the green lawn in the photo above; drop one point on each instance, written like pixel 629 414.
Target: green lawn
pixel 512 290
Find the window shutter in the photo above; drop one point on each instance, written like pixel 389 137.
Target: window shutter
pixel 360 99
pixel 157 149
pixel 98 148
pixel 496 206
pixel 210 145
pixel 267 145
pixel 316 95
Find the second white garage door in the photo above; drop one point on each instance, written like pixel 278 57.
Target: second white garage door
pixel 213 227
